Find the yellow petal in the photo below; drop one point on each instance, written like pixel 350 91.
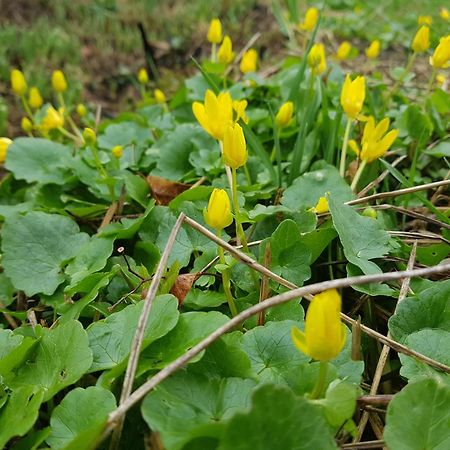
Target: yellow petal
pixel 299 339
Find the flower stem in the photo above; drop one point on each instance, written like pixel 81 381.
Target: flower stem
pixel 321 381
pixel 226 279
pixel 405 72
pixel 358 175
pixel 344 147
pixel 239 230
pixel 213 52
pixel 430 83
pixel 276 136
pixel 247 175
pixel 26 107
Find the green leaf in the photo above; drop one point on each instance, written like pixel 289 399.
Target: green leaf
pixel 362 237
pixel 418 417
pixel 439 150
pixel 20 412
pixel 39 160
pixel 429 309
pixel 137 188
pixel 6 291
pixel 417 123
pixel 318 240
pixel 124 134
pixel 110 339
pixel 433 343
pixel 59 359
pixel 13 350
pixel 277 420
pixel 199 299
pixel 78 411
pixel 35 247
pixel 186 406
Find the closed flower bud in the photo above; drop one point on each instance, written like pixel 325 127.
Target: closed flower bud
pixel 425 20
pixel 444 13
pixel 234 146
pixel 316 59
pixel 310 20
pixel 284 114
pixel 4 144
pixel 18 82
pixel 225 55
pixel 117 151
pixel 53 119
pixel 440 79
pixel 421 41
pixel 218 213
pixel 249 61
pixel 325 334
pixel 215 32
pixel 81 110
pixel 143 76
pixel 159 96
pixel 343 51
pixel 370 212
pixel 373 51
pixel 26 125
pixel 441 55
pixel 321 206
pixel 89 136
pixel 35 98
pixel 59 82
pixel 352 96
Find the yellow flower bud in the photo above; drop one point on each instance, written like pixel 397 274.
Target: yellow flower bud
pixel 215 114
pixel 325 334
pixel 321 206
pixel 440 79
pixel 343 51
pixel 444 13
pixel 234 146
pixel 215 32
pixel 425 20
pixel 35 98
pixel 89 136
pixel 81 110
pixel 373 51
pixel 225 55
pixel 26 125
pixel 239 107
pixel 284 114
pixel 441 55
pixel 310 20
pixel 53 119
pixel 316 59
pixel 117 151
pixel 370 212
pixel 18 82
pixel 159 96
pixel 59 82
pixel 249 61
pixel 352 96
pixel 218 213
pixel 142 76
pixel 4 144
pixel 421 41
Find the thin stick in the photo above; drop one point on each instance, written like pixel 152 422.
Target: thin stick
pixel 385 350
pixel 115 417
pixel 367 444
pixel 264 291
pixel 142 324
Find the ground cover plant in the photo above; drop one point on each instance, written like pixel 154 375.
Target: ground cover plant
pixel 257 259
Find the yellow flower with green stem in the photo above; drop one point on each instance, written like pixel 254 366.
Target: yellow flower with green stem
pixel 441 54
pixel 421 40
pixel 316 59
pixel 284 115
pixel 225 55
pixel 249 61
pixel 373 51
pixel 310 20
pixel 4 145
pixel 343 51
pixel 35 98
pixel 18 82
pixel 59 82
pixel 214 36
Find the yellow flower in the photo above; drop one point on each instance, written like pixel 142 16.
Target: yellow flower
pixel 53 119
pixel 117 151
pixel 375 142
pixel 352 96
pixel 225 54
pixel 26 125
pixel 59 82
pixel 18 82
pixel 284 114
pixel 249 61
pixel 81 110
pixel 373 50
pixel 234 146
pixel 215 32
pixel 239 107
pixel 444 13
pixel 421 41
pixel 440 79
pixel 4 144
pixel 343 51
pixel 218 213
pixel 325 334
pixel 425 20
pixel 142 76
pixel 35 98
pixel 89 136
pixel 215 114
pixel 316 59
pixel 441 55
pixel 310 20
pixel 159 96
pixel 321 206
